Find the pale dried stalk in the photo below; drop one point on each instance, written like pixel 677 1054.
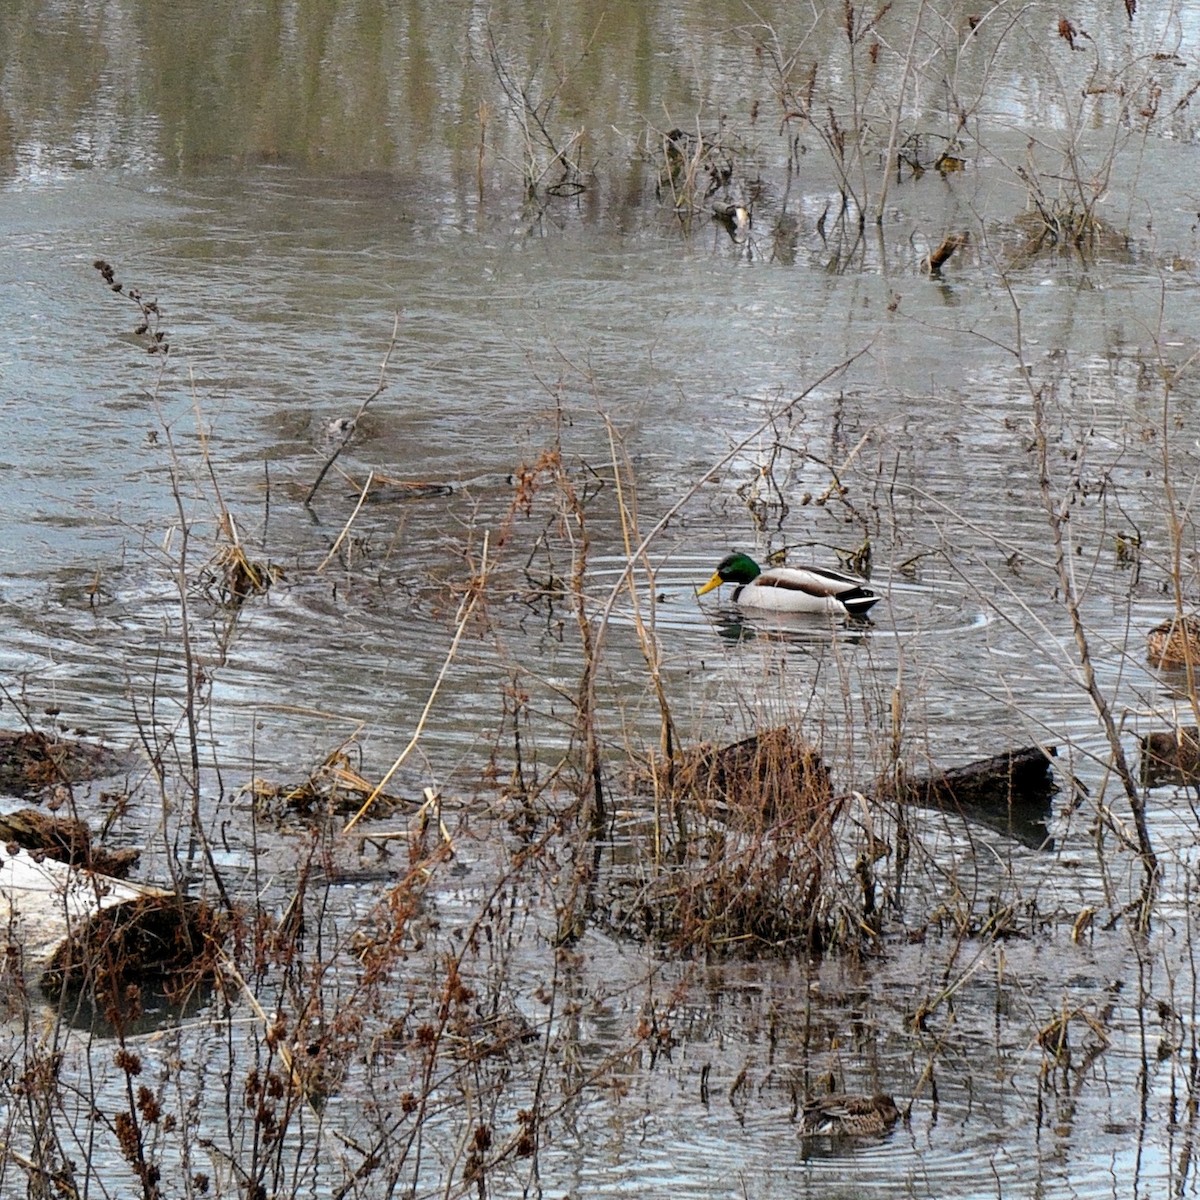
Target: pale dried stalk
pixel 341 537
pixel 464 615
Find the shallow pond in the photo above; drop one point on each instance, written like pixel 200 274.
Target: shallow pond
pixel 611 389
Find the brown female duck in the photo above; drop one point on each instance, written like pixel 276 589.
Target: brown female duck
pixel 840 1114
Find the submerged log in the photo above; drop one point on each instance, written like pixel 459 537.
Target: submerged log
pixel 384 489
pixel 776 774
pixel 1009 792
pixel 66 926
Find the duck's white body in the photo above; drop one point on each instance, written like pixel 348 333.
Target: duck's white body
pixel 802 589
pixel 792 589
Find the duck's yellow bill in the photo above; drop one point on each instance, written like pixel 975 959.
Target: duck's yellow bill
pixel 714 582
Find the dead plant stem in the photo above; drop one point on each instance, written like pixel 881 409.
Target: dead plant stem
pixel 461 620
pixel 1175 531
pixel 894 134
pixel 1057 514
pixel 341 537
pixel 646 636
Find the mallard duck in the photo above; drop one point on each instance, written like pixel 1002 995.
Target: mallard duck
pixel 842 1115
pixel 1175 642
pixel 736 217
pixel 792 589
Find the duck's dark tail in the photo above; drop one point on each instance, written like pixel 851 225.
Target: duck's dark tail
pixel 859 600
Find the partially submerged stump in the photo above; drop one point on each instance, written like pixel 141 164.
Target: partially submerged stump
pixel 67 927
pixel 776 775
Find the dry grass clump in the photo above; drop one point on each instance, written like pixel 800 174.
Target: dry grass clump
pixel 1067 225
pixel 769 776
pixel 166 943
pixel 234 577
pixel 751 869
pixel 334 788
pixel 695 166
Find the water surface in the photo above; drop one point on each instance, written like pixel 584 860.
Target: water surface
pixel 285 182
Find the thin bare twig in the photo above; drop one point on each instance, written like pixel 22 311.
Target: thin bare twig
pixel 380 387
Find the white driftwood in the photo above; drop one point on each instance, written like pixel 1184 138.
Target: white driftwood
pixel 44 904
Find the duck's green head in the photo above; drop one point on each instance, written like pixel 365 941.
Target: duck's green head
pixel 733 568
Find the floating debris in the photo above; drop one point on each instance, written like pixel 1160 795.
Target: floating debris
pixel 32 762
pixel 335 788
pixel 65 839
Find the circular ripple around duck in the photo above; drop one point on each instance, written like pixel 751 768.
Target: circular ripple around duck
pixel 906 610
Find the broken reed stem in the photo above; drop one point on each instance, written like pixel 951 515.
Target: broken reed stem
pixel 463 616
pixel 230 968
pixel 192 700
pixel 835 488
pixel 341 537
pixel 380 387
pixel 646 637
pixel 939 256
pixel 1175 525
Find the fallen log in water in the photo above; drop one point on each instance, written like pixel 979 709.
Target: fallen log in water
pixel 67 926
pixel 1009 792
pixel 775 774
pixel 751 862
